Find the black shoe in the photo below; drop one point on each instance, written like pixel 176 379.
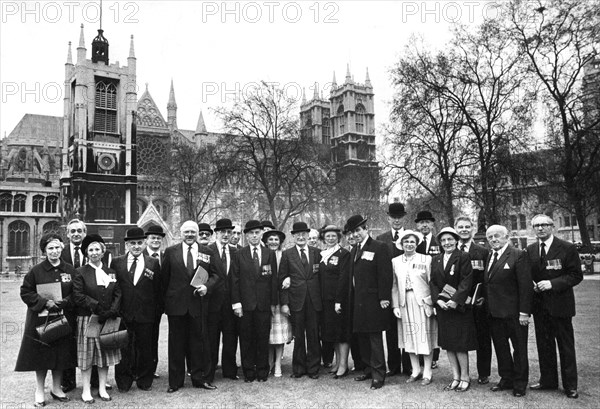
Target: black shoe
pixel 392 372
pixel 248 380
pixel 296 375
pixel 327 365
pixel 572 394
pixel 376 384
pixel 206 385
pixel 60 398
pixel 483 380
pixel 541 387
pixel 434 365
pixel 39 404
pixel 262 379
pixel 363 377
pixel 233 377
pixel 172 389
pixel 501 386
pixel 518 393
pixel 67 388
pixel 145 388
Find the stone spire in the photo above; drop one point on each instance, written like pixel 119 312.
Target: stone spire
pixel 172 109
pixel 368 79
pixel 303 95
pixel 316 91
pixel 69 55
pixel 131 48
pixel 201 127
pixel 348 76
pixel 81 48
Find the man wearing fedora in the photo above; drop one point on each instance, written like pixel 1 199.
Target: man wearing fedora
pixel 138 276
pixel 303 301
pixel 396 358
pixel 154 239
pixel 221 319
pixel 371 279
pixel 187 307
pixel 253 292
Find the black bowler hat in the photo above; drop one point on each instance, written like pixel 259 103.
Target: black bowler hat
pixel 268 223
pixel 424 215
pixel 135 233
pixel 300 227
pixel 251 225
pixel 273 232
pixel 204 227
pixel 156 230
pixel 223 224
pixel 396 210
pixel 355 221
pixel 89 239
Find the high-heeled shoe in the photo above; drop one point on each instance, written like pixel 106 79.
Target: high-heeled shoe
pixel 59 398
pixel 462 388
pixel 39 404
pixel 452 385
pixel 343 375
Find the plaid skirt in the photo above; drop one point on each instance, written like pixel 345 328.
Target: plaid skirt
pixel 89 352
pixel 281 328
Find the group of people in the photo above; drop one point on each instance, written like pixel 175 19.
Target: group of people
pixel 331 297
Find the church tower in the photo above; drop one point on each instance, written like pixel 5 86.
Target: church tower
pixel 99 176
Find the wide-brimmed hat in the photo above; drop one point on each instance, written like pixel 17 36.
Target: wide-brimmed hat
pixel 409 232
pixel 270 233
pixel 396 210
pixel 89 239
pixel 268 223
pixel 156 230
pixel 204 227
pixel 329 228
pixel 223 224
pixel 251 225
pixel 355 221
pixel 448 230
pixel 300 227
pixel 135 233
pixel 424 215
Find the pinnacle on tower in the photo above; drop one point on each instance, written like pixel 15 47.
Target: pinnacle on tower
pixel 172 102
pixel 69 55
pixel 81 38
pixel 333 82
pixel 201 127
pixel 368 79
pixel 348 76
pixel 316 91
pixel 131 49
pixel 303 95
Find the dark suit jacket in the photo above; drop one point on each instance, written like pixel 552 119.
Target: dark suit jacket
pixel 559 301
pixel 178 293
pixel 458 273
pixel 139 302
pixel 371 276
pixel 161 255
pixel 388 238
pixel 303 282
pixel 334 275
pixel 221 293
pixel 481 254
pixel 434 247
pixel 88 294
pixel 255 289
pixel 508 287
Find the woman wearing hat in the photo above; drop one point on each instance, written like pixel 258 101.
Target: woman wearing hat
pixel 451 279
pixel 59 355
pixel 334 270
pixel 412 305
pixel 95 291
pixel 281 328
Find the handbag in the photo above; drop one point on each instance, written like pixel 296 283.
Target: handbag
pixel 447 292
pixel 111 337
pixel 53 330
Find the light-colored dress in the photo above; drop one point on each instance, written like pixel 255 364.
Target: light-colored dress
pixel 281 328
pixel 417 328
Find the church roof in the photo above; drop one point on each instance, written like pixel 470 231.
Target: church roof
pixel 37 130
pixel 148 114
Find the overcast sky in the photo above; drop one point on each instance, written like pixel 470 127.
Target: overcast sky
pixel 213 49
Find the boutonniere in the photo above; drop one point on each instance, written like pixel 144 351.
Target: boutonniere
pixel 333 260
pixel 204 258
pixel 149 273
pixel 266 270
pixel 452 270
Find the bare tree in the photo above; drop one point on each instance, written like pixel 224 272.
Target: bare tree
pixel 560 38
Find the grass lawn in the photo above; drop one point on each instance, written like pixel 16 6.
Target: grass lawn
pixel 17 389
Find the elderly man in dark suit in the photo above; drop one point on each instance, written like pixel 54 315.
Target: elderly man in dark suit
pixel 154 239
pixel 371 278
pixel 221 319
pixel 138 276
pixel 556 269
pixel 303 299
pixel 186 307
pixel 479 255
pixel 396 359
pixel 253 290
pixel 508 293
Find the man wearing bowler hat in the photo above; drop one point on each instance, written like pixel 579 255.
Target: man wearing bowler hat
pixel 396 359
pixel 371 278
pixel 138 276
pixel 154 239
pixel 221 319
pixel 303 300
pixel 204 233
pixel 253 292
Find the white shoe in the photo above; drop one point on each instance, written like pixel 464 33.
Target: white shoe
pixel 277 373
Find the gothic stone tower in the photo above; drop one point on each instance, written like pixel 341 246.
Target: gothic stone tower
pixel 98 180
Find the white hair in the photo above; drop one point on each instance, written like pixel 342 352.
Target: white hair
pixel 189 225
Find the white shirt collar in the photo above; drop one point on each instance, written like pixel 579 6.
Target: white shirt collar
pixel 501 251
pixel 547 242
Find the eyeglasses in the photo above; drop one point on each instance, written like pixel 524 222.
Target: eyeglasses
pixel 76 230
pixel 204 234
pixel 136 243
pixel 542 225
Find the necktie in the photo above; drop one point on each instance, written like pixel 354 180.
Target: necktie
pixel 76 259
pixel 190 261
pixel 542 253
pixel 256 260
pixel 425 244
pixel 155 255
pixel 463 247
pixel 224 259
pixel 357 255
pixel 495 258
pixel 396 236
pixel 132 268
pixel 304 258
